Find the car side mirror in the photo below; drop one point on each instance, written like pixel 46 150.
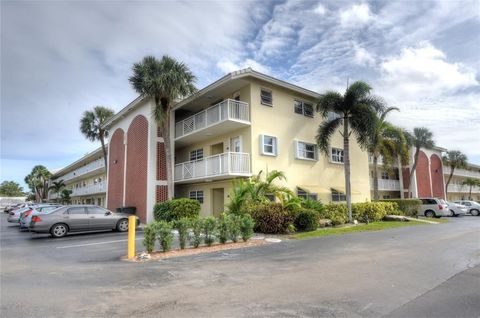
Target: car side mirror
pixel 108 213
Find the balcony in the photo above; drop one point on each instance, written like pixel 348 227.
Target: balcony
pixel 93 166
pixel 100 187
pixel 217 167
pixel 462 173
pixel 218 119
pixel 386 185
pixel 462 188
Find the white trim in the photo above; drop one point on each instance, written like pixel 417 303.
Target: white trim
pixel 297 150
pixel 271 96
pixel 330 155
pixel 274 152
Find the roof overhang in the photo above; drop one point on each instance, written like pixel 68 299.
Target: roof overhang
pixel 124 112
pixel 78 163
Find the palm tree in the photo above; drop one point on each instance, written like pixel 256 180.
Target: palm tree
pixel 421 138
pixel 453 159
pixel 471 182
pixel 165 81
pixel 57 186
pixel 356 112
pixel 381 143
pixel 91 126
pixel 37 180
pixel 403 144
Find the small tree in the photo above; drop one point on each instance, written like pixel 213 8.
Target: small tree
pixel 471 182
pixel 182 227
pixel 37 180
pixel 57 186
pixel 11 189
pixel 422 138
pixel 453 159
pixel 65 196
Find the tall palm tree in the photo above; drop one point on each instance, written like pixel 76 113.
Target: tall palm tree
pixel 453 159
pixel 356 112
pixel 91 126
pixel 57 186
pixel 381 143
pixel 403 146
pixel 164 81
pixel 37 180
pixel 471 182
pixel 422 138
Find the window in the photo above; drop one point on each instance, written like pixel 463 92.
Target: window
pixel 196 195
pixel 302 194
pixel 268 145
pixel 385 175
pixel 96 210
pixel 78 210
pixel 266 97
pixel 387 196
pixel 196 154
pixel 336 155
pixel 303 108
pixel 338 196
pixel 306 150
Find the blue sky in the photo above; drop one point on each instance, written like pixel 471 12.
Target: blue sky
pixel 59 59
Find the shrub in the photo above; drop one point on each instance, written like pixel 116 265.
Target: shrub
pixel 313 205
pixel 307 220
pixel 164 235
pixel 337 213
pixel 149 235
pixel 182 227
pixel 246 227
pixel 408 207
pixel 233 223
pixel 372 211
pixel 209 226
pixel 197 226
pixel 271 218
pixel 223 228
pixel 176 209
pixel 161 211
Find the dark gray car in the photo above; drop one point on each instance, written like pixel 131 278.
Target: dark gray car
pixel 79 218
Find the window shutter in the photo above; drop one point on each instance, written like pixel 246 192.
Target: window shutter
pixel 297 156
pixel 261 144
pixel 277 147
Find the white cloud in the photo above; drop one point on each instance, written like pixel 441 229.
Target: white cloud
pixel 228 66
pixel 362 56
pixel 356 16
pixel 320 9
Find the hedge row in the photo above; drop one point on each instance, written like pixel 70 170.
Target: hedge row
pixel 176 209
pixel 408 207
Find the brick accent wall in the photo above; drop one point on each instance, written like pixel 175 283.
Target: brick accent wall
pixel 436 172
pixel 162 193
pixel 137 166
pixel 423 176
pixel 161 162
pixel 116 164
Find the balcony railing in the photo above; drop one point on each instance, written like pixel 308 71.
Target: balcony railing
pixel 224 164
pixel 94 165
pixel 228 109
pixel 386 185
pixel 462 172
pixel 99 187
pixel 462 188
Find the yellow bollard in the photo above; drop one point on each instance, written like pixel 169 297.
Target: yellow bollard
pixel 132 223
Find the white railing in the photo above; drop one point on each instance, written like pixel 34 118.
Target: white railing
pixel 462 188
pixel 390 185
pixel 228 163
pixel 462 172
pixel 226 110
pixel 94 165
pixel 89 189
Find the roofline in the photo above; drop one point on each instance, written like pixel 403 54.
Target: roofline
pixel 123 112
pixel 88 155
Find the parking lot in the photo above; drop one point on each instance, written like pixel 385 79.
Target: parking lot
pixel 409 271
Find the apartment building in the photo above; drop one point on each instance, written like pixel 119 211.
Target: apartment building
pixel 456 189
pixel 243 123
pixel 86 178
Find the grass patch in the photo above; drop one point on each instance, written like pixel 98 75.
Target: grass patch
pixel 374 226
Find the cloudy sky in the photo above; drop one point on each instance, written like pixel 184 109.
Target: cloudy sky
pixel 59 59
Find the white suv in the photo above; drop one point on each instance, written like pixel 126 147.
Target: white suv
pixel 433 207
pixel 472 206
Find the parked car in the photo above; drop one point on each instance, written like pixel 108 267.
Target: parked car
pixel 472 206
pixel 457 209
pixel 79 218
pixel 14 215
pixel 11 207
pixel 433 207
pixel 26 216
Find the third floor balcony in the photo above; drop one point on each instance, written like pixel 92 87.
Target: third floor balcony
pixel 90 168
pixel 462 172
pixel 386 185
pixel 228 115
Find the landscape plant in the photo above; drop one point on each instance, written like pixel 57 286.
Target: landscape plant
pixel 176 209
pixel 209 227
pixel 246 226
pixel 233 222
pixel 149 236
pixel 471 182
pixel 223 228
pixel 306 220
pixel 197 227
pixel 182 226
pixel 407 207
pixel 453 159
pixel 272 218
pixel 164 235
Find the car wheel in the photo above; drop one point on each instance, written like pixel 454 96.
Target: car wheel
pixel 59 230
pixel 475 212
pixel 452 213
pixel 430 214
pixel 122 225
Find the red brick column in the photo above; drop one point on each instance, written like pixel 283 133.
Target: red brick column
pixel 436 172
pixel 116 165
pixel 423 176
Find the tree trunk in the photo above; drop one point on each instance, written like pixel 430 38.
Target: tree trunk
pixel 375 177
pixel 165 128
pixel 415 162
pixel 448 181
pixel 400 176
pixel 346 164
pixel 102 141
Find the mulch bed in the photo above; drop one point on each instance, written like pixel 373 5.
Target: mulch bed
pixel 200 250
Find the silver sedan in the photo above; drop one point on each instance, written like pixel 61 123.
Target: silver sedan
pixel 79 218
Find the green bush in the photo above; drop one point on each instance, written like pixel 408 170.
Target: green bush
pixel 209 227
pixel 197 227
pixel 164 235
pixel 313 205
pixel 337 213
pixel 182 226
pixel 246 227
pixel 233 223
pixel 271 218
pixel 408 207
pixel 372 211
pixel 176 209
pixel 149 235
pixel 307 220
pixel 223 228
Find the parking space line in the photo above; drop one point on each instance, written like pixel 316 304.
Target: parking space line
pixel 96 243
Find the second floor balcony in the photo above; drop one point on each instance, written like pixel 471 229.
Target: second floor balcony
pixel 218 119
pixel 386 185
pixel 459 188
pixel 90 168
pixel 222 166
pixel 462 172
pixel 97 188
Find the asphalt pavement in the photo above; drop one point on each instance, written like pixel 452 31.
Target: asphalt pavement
pixel 418 271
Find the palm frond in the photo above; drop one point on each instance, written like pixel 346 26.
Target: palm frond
pixel 325 132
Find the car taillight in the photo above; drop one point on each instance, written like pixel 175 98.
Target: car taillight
pixel 27 213
pixel 36 218
pixel 440 207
